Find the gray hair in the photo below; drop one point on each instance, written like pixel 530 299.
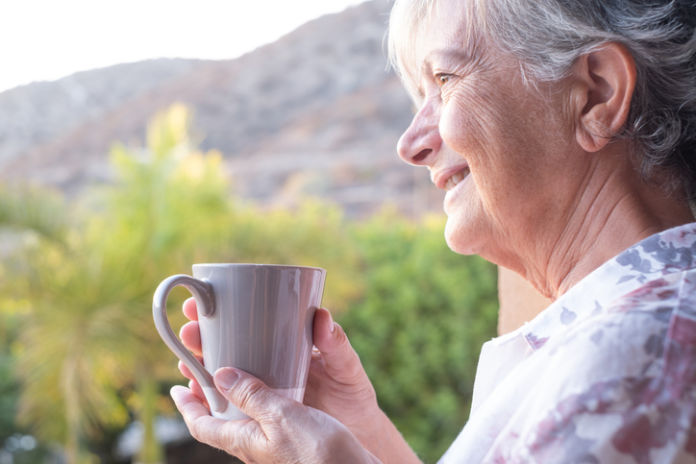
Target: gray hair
pixel 547 36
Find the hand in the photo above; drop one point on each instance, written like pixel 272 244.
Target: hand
pixel 279 430
pixel 337 385
pixel 337 382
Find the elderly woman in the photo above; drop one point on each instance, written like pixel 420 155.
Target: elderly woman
pixel 564 133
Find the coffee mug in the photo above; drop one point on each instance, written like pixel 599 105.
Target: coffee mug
pixel 254 317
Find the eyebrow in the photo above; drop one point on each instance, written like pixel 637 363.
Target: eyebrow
pixel 455 54
pixel 459 54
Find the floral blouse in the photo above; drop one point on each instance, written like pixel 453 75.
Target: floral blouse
pixel 606 374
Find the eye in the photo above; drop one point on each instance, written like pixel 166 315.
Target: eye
pixel 442 78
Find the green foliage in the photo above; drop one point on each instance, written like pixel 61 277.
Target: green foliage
pixel 76 329
pixel 33 210
pixel 86 332
pixel 419 326
pixel 9 386
pixel 314 234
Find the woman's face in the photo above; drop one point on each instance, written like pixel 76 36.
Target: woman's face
pixel 497 147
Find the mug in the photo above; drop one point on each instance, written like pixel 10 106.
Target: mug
pixel 254 317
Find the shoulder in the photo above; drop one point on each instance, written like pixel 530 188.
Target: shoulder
pixel 619 385
pixel 647 335
pixel 634 326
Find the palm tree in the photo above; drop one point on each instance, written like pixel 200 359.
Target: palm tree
pixel 86 284
pixel 86 281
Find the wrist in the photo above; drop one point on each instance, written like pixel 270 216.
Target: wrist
pixel 345 447
pixel 384 441
pixel 370 426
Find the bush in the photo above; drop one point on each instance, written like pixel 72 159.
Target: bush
pixel 415 312
pixel 419 326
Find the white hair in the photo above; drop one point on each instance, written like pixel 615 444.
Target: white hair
pixel 547 36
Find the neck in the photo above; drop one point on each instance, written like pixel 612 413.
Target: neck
pixel 614 210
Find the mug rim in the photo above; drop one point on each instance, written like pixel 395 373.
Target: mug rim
pixel 267 265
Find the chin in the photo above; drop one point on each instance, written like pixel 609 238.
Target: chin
pixel 460 237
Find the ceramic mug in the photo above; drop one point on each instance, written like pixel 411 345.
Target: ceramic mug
pixel 255 317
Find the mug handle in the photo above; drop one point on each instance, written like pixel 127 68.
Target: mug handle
pixel 202 291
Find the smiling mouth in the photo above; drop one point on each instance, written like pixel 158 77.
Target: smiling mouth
pixel 455 179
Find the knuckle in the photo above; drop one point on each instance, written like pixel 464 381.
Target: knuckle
pixel 247 392
pixel 195 430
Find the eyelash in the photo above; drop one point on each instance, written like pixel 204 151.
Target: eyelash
pixel 442 78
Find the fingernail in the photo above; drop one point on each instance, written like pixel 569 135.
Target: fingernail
pixel 177 391
pixel 226 378
pixel 333 324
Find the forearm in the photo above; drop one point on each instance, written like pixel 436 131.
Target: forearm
pixel 381 437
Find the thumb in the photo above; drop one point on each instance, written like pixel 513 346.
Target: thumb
pixel 253 397
pixel 339 358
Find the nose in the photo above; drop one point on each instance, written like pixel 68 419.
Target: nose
pixel 419 144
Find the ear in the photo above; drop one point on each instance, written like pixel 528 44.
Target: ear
pixel 602 87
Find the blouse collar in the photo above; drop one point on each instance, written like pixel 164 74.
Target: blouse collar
pixel 666 252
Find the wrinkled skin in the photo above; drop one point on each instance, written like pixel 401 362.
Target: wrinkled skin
pixel 339 421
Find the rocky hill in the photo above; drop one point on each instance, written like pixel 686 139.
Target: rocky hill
pixel 315 113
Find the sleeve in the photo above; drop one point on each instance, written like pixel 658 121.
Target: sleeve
pixel 631 420
pixel 630 399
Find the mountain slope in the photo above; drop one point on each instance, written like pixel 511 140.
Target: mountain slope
pixel 316 112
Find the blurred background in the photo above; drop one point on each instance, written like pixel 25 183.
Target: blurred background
pixel 210 131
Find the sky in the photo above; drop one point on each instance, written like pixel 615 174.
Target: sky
pixel 49 39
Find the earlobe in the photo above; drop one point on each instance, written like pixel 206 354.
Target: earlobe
pixel 603 85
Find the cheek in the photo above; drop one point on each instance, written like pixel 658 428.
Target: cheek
pixel 465 123
pixel 457 128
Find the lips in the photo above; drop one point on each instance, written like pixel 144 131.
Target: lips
pixel 455 179
pixel 449 178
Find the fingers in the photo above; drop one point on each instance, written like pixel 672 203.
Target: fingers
pixel 185 371
pixel 195 387
pixel 339 358
pixel 251 395
pixel 235 437
pixel 190 310
pixel 189 405
pixel 193 383
pixel 324 326
pixel 190 335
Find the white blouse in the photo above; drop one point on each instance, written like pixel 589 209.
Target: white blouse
pixel 606 374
